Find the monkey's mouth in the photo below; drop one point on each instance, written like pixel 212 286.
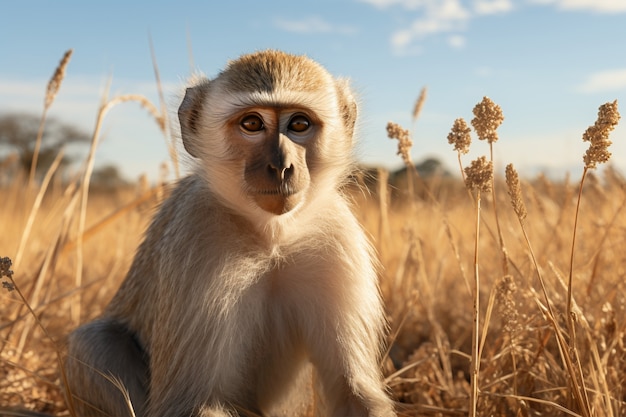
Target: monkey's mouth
pixel 279 200
pixel 282 191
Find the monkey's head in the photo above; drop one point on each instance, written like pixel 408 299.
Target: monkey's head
pixel 272 131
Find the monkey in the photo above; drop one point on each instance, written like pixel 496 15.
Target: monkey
pixel 254 266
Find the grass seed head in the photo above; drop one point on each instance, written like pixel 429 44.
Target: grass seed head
pixel 5 271
pixel 487 117
pixel 395 131
pixel 419 103
pixel 5 267
pixel 507 307
pixel 479 175
pixel 57 78
pixel 515 192
pixel 459 136
pixel 598 135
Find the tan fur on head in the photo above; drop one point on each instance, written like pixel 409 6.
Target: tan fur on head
pixel 253 267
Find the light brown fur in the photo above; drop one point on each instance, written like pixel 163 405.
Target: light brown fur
pixel 253 266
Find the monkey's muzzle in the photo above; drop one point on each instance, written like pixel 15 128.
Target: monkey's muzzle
pixel 279 201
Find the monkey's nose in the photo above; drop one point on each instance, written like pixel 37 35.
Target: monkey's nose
pixel 280 172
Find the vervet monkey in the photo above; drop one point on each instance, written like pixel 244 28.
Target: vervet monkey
pixel 253 266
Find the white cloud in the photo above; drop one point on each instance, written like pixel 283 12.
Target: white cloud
pixel 22 95
pixel 437 16
pixel 449 10
pixel 484 7
pixel 401 38
pixel 480 6
pixel 599 6
pixel 434 17
pixel 23 88
pixel 405 4
pixel 604 81
pixel 456 41
pixel 311 25
pixel 401 42
pixel 483 71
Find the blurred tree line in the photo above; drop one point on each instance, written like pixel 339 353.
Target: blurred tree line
pixel 18 134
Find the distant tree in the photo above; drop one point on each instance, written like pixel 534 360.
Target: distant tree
pixel 18 132
pixel 427 168
pixel 431 166
pixel 108 176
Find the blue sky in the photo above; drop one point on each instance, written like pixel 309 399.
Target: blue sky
pixel 548 63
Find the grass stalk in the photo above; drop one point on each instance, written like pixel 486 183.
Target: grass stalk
pixel 105 107
pixel 494 201
pixel 36 149
pixel 475 363
pixel 51 92
pixel 163 120
pixel 36 206
pixel 479 178
pixel 571 259
pixel 577 377
pixel 383 202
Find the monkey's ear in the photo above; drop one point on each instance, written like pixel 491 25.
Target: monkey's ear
pixel 347 105
pixel 189 114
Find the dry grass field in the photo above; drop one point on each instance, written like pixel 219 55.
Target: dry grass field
pixel 494 308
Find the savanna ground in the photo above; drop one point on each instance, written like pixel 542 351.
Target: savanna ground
pixel 494 309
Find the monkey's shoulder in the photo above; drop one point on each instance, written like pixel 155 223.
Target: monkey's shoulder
pixel 190 204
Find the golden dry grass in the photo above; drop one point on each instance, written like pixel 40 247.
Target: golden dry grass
pixel 496 303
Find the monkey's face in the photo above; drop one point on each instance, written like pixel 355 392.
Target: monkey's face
pixel 272 143
pixel 272 133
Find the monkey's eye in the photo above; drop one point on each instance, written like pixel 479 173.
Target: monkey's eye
pixel 299 124
pixel 252 123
